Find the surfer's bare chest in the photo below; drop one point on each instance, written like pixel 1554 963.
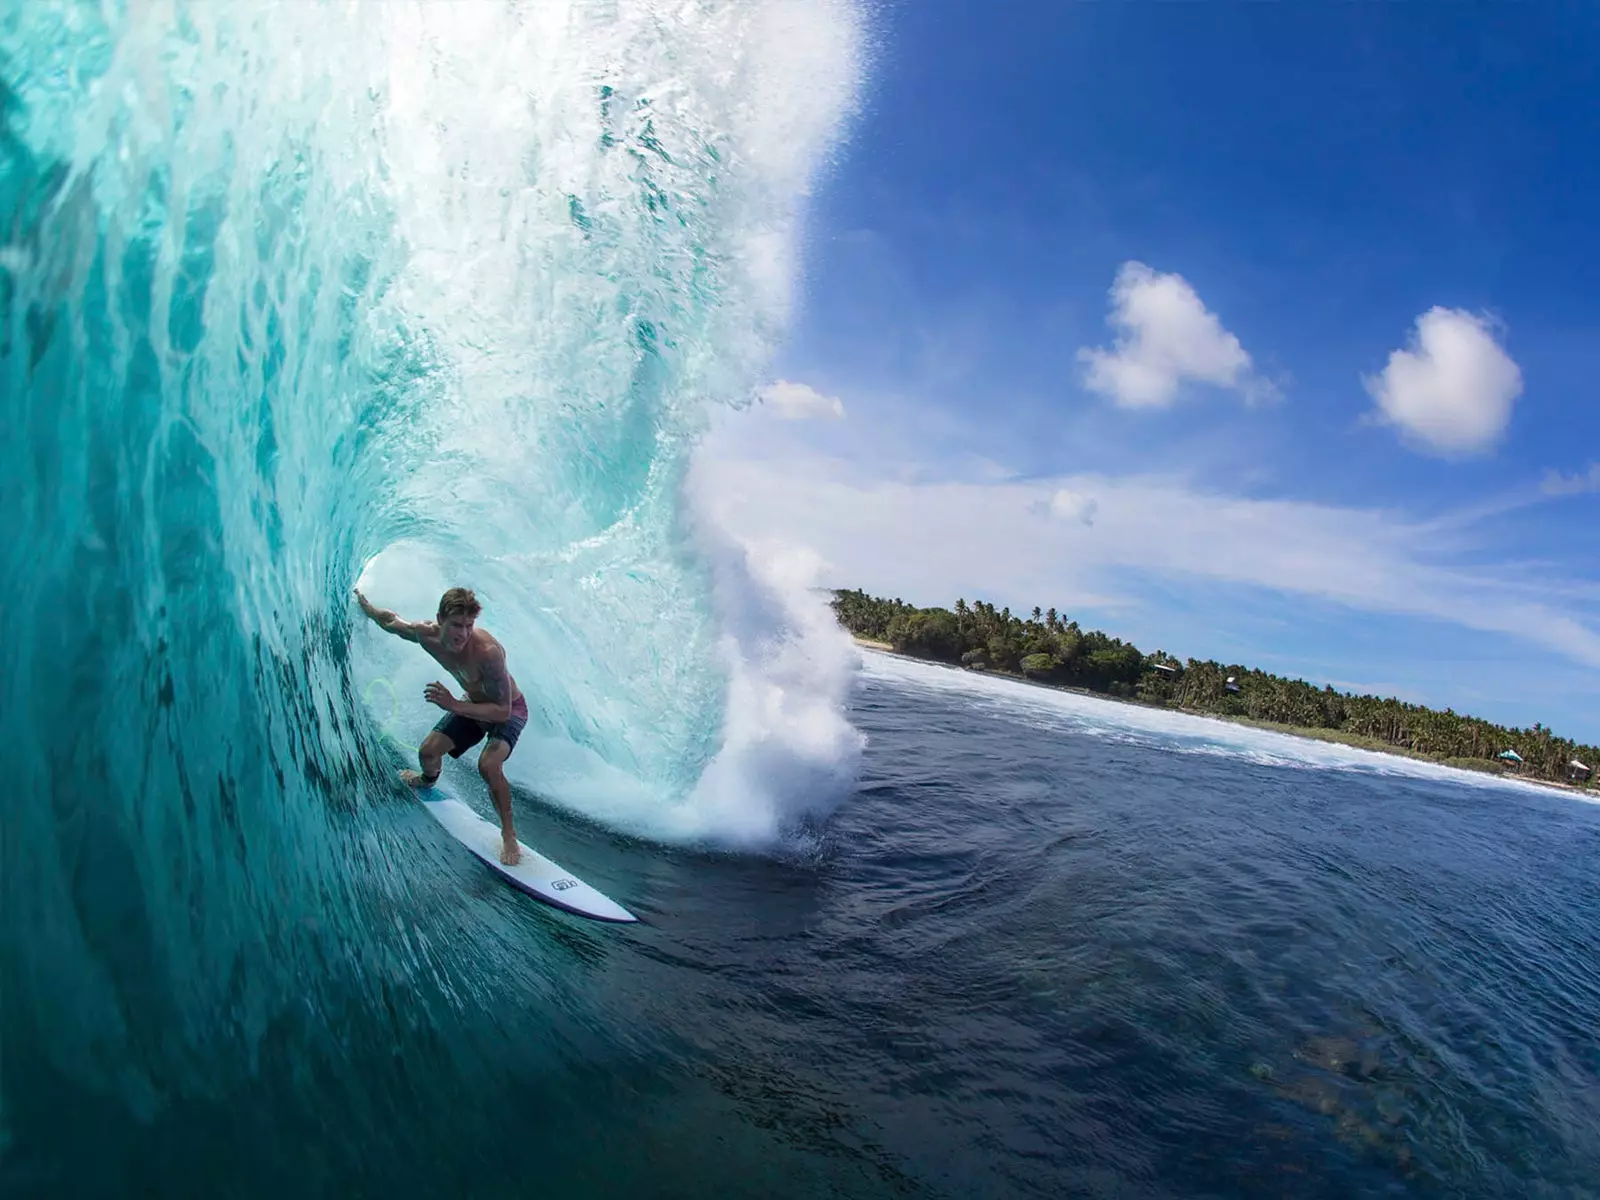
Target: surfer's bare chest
pixel 464 666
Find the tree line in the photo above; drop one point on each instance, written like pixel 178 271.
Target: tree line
pixel 1049 649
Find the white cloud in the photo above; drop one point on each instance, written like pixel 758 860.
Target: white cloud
pixel 1557 484
pixel 1067 505
pixel 797 402
pixel 1452 390
pixel 1009 538
pixel 1166 335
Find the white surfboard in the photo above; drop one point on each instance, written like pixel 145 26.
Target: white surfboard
pixel 535 874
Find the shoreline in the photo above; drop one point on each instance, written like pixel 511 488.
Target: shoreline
pixel 1337 737
pixel 883 646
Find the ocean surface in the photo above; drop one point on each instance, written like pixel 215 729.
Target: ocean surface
pixel 1049 946
pixel 300 296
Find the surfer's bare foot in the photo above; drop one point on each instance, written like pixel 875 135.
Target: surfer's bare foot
pixel 415 780
pixel 510 852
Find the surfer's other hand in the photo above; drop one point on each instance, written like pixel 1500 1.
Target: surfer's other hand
pixel 437 693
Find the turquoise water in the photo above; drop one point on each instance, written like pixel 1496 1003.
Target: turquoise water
pixel 302 296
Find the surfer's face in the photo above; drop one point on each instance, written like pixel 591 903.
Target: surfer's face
pixel 455 632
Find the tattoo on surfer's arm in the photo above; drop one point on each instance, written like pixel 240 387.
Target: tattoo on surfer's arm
pixel 496 684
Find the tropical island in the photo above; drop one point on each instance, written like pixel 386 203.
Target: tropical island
pixel 1046 649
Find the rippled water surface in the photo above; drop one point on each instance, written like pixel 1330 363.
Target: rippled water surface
pixel 1051 946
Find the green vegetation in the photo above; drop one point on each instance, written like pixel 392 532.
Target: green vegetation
pixel 1049 650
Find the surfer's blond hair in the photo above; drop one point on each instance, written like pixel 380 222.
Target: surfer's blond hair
pixel 458 602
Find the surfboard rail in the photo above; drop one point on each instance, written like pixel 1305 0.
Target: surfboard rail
pixel 535 875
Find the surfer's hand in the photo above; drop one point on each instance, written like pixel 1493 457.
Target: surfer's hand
pixel 437 693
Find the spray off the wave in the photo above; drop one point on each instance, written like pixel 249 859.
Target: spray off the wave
pixel 598 263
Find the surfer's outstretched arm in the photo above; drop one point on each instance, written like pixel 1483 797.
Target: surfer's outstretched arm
pixel 389 620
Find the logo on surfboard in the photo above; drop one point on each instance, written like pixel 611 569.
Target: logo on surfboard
pixel 562 885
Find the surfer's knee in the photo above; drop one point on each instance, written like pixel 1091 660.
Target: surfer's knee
pixel 435 745
pixel 491 761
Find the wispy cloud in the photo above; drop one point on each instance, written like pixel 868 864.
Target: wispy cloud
pixel 1165 337
pixel 1557 484
pixel 798 402
pixel 942 539
pixel 1451 392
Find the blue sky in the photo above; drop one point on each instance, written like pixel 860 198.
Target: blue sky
pixel 1266 333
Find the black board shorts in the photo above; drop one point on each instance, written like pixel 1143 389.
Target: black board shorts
pixel 465 733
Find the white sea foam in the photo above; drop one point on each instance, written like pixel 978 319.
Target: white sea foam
pixel 1182 733
pixel 602 206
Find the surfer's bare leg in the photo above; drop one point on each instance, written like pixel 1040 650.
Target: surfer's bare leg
pixel 429 755
pixel 491 765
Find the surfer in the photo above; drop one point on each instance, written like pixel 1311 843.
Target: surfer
pixel 493 706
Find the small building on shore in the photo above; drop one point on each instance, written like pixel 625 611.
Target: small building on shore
pixel 1578 772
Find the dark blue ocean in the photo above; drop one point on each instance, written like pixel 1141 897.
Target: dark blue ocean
pixel 1050 946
